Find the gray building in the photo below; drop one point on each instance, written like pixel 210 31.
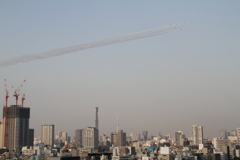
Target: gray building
pixel 180 137
pixel 145 135
pixel 90 138
pixel 79 137
pixel 17 128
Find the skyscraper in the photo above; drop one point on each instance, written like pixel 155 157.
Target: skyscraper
pixel 197 133
pixel 48 134
pixel 145 134
pixel 64 137
pixel 118 138
pixel 79 137
pixel 180 137
pixel 17 126
pixel 90 138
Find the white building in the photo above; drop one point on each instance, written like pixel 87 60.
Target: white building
pixel 48 134
pixel 90 138
pixel 180 137
pixel 197 134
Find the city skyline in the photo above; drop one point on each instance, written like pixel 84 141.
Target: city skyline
pixel 164 83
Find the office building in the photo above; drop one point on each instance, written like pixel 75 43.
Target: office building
pixel 59 134
pixel 79 137
pixel 145 135
pixel 118 138
pixel 30 137
pixel 180 137
pixel 17 127
pixel 197 134
pixel 1 134
pixel 48 134
pixel 238 134
pixel 64 137
pixel 90 138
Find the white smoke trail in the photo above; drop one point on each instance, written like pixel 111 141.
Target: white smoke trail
pixel 76 48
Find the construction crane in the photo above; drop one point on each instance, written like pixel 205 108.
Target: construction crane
pixel 23 99
pixel 6 115
pixel 16 92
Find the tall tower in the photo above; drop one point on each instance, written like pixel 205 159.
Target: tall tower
pixel 197 133
pixel 17 127
pixel 96 120
pixel 48 134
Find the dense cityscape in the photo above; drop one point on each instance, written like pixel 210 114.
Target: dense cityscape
pixel 119 80
pixel 18 142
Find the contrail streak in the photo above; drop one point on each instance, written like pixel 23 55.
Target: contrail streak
pixel 66 50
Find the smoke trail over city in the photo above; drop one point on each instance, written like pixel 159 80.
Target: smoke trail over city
pixel 66 50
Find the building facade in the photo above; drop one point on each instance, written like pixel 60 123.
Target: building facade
pixel 180 137
pixel 17 126
pixel 145 135
pixel 238 134
pixel 48 134
pixel 1 134
pixel 197 134
pixel 79 137
pixel 118 138
pixel 90 138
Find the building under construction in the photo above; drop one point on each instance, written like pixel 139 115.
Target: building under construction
pixel 17 127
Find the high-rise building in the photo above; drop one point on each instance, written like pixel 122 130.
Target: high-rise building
pixel 197 134
pixel 17 126
pixel 90 138
pixel 48 134
pixel 64 137
pixel 59 134
pixel 79 137
pixel 145 135
pixel 1 134
pixel 238 134
pixel 30 137
pixel 180 137
pixel 118 138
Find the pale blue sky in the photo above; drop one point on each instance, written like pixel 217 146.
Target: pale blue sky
pixel 163 83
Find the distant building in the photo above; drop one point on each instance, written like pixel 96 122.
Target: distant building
pixel 79 137
pixel 48 134
pixel 17 127
pixel 197 134
pixel 180 137
pixel 59 134
pixel 238 134
pixel 222 145
pixel 1 134
pixel 118 138
pixel 30 137
pixel 90 138
pixel 145 135
pixel 64 137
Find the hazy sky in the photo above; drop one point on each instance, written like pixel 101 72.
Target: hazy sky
pixel 164 83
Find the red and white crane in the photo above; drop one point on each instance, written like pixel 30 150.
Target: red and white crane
pixel 16 92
